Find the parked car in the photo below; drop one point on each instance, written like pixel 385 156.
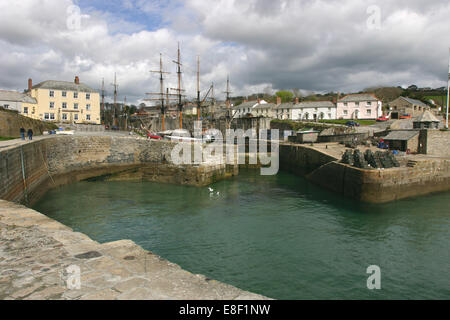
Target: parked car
pixel 405 116
pixel 153 137
pixel 352 124
pixel 383 118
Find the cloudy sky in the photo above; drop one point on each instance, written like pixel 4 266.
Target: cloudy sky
pixel 328 45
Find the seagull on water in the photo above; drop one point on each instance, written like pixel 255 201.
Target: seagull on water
pixel 211 189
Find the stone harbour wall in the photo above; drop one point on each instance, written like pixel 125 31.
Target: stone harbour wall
pixel 37 254
pixel 28 170
pixel 380 186
pixel 426 175
pixel 302 159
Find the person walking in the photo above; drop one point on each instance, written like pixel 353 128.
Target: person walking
pixel 22 133
pixel 30 134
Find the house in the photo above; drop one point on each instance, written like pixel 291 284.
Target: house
pixel 426 121
pixel 359 106
pixel 264 109
pixel 307 110
pixel 246 108
pixel 314 110
pixel 403 140
pixel 405 105
pixel 65 102
pixel 20 102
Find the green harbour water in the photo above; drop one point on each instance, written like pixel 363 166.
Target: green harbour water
pixel 278 236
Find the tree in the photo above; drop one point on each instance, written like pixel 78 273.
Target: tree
pixel 286 96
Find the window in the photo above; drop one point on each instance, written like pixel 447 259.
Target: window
pixel 6 106
pixel 75 116
pixel 88 96
pixel 46 116
pixel 52 116
pixel 369 103
pixel 345 104
pixel 64 94
pixel 64 105
pixel 64 116
pixel 357 104
pixel 52 93
pixel 369 112
pixel 52 105
pixel 88 107
pixel 75 95
pixel 88 117
pixel 75 106
pixel 345 112
pixel 25 110
pixel 329 116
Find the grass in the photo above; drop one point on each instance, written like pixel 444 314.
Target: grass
pixel 6 138
pixel 343 122
pixel 441 100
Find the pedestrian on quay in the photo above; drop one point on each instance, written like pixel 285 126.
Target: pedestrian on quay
pixel 30 134
pixel 22 133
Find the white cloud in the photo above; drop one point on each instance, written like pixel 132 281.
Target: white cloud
pixel 310 44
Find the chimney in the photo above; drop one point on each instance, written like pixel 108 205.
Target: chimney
pixel 30 84
pixel 296 100
pixel 278 100
pixel 245 100
pixel 77 80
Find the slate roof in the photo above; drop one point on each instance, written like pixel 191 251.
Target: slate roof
pixel 401 135
pixel 359 97
pixel 64 86
pixel 307 104
pixel 246 105
pixel 16 96
pixel 264 106
pixel 414 101
pixel 427 116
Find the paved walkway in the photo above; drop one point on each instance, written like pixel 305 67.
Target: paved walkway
pixel 39 259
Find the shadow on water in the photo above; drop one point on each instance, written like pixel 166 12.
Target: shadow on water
pixel 276 235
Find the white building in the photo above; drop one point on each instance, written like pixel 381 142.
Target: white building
pixel 307 110
pixel 359 106
pixel 20 102
pixel 252 108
